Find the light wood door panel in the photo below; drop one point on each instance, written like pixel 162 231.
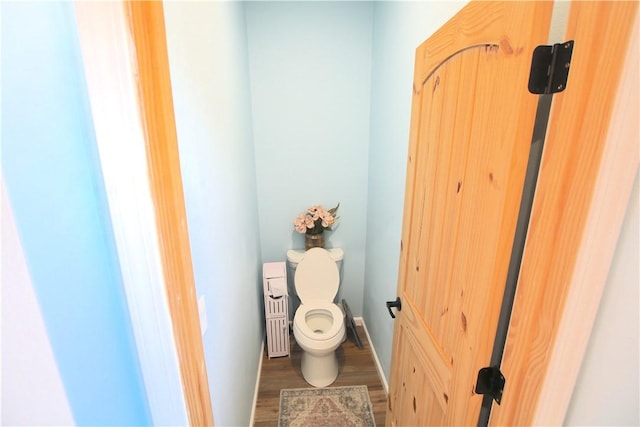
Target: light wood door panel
pixel 470 136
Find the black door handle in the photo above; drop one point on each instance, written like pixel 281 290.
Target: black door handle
pixel 394 304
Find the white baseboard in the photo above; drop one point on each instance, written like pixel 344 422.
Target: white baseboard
pixel 255 392
pixel 360 322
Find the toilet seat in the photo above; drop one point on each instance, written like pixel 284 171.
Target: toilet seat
pixel 333 310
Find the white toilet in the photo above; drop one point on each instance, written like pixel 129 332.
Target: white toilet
pixel 318 324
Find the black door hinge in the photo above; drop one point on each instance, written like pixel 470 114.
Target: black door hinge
pixel 550 68
pixel 491 382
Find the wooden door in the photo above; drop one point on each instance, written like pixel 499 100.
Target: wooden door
pixel 471 126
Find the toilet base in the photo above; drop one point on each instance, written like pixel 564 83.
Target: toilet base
pixel 319 371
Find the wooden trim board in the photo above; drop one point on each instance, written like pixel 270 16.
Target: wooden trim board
pixel 619 165
pixel 156 99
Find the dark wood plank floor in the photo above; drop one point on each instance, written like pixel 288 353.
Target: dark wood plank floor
pixel 357 367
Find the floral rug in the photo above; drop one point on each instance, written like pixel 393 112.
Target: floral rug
pixel 331 406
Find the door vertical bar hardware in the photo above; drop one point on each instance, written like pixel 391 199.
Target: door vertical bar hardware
pixel 397 304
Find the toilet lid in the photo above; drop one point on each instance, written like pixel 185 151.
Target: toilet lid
pixel 317 276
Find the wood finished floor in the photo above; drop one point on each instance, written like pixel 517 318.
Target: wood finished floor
pixel 357 367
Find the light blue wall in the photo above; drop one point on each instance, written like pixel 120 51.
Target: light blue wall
pixel 53 178
pixel 310 68
pixel 209 72
pixel 399 28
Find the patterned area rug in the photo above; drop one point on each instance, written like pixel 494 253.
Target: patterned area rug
pixel 332 406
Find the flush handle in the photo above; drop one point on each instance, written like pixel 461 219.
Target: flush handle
pixel 397 304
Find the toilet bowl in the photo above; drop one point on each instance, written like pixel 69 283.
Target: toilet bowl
pixel 318 325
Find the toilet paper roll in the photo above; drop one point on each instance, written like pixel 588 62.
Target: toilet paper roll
pixel 278 287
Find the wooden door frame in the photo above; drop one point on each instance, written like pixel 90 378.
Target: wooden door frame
pixel 146 21
pixel 126 67
pixel 587 173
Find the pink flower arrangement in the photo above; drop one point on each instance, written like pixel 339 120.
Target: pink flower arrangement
pixel 315 220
